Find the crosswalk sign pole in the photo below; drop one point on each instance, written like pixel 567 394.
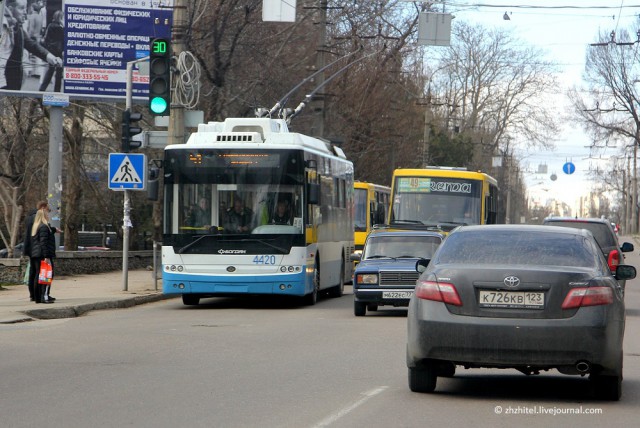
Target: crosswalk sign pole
pixel 126 215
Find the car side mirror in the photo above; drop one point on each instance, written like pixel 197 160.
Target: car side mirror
pixel 627 247
pixel 625 272
pixel 356 257
pixel 421 265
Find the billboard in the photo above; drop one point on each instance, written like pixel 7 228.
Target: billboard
pixel 78 47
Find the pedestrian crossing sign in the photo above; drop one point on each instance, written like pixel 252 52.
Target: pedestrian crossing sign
pixel 127 171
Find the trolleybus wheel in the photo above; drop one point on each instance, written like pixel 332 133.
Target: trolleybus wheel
pixel 312 298
pixel 338 290
pixel 190 299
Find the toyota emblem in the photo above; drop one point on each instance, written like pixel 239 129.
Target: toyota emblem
pixel 512 281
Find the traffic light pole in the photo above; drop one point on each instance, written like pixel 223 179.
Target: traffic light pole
pixel 126 219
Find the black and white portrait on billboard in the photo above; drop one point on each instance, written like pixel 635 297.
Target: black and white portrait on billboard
pixel 24 58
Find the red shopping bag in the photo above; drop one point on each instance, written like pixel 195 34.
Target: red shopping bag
pixel 46 273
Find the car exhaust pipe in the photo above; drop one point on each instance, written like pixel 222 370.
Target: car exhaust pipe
pixel 583 366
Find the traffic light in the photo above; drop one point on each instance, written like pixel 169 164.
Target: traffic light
pixel 152 183
pixel 160 77
pixel 129 129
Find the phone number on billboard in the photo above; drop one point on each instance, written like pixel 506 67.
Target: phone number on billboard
pixel 86 76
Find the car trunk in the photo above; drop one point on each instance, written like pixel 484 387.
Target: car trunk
pixel 538 294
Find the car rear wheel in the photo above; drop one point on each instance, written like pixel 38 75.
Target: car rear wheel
pixel 422 379
pixel 359 309
pixel 447 369
pixel 607 387
pixel 190 299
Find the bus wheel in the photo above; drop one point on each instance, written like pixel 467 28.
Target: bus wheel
pixel 338 290
pixel 190 299
pixel 312 298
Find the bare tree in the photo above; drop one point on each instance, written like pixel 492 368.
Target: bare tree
pixel 608 107
pixel 496 90
pixel 22 164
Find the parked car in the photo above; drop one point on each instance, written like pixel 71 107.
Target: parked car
pixel 615 228
pixel 518 296
pixel 605 235
pixel 386 271
pixel 17 251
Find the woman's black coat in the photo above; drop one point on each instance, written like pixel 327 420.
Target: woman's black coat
pixel 43 243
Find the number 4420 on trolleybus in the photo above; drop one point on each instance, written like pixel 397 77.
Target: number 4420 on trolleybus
pixel 251 208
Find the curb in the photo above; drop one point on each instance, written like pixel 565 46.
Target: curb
pixel 79 310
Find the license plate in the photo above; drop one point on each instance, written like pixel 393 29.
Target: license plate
pixel 397 294
pixel 511 299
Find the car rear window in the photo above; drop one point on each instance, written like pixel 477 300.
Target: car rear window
pixel 402 246
pixel 601 231
pixel 516 247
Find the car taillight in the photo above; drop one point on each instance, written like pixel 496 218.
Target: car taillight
pixel 438 291
pixel 614 260
pixel 588 296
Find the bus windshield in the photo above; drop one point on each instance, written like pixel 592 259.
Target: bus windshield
pixel 234 192
pixel 433 200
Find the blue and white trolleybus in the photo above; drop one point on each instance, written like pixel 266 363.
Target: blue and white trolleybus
pixel 251 208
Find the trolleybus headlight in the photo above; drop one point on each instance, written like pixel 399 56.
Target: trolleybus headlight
pixel 283 268
pixel 290 268
pixel 282 286
pixel 173 268
pixel 180 268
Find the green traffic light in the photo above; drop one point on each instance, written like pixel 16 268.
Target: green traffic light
pixel 158 105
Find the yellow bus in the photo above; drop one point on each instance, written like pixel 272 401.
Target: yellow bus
pixel 371 207
pixel 442 198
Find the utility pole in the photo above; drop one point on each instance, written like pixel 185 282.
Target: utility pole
pixel 427 130
pixel 634 190
pixel 126 217
pixel 54 178
pixel 319 101
pixel 176 112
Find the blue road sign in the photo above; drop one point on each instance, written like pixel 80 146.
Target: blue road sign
pixel 569 168
pixel 127 171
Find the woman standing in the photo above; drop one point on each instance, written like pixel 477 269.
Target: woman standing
pixel 43 247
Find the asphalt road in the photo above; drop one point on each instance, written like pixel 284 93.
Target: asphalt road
pixel 265 363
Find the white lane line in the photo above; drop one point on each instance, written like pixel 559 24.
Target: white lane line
pixel 346 410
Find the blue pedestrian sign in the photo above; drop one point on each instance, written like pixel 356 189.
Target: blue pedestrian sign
pixel 127 171
pixel 569 168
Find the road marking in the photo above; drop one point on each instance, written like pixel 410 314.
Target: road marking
pixel 346 410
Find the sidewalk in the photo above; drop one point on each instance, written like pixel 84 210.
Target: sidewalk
pixel 77 295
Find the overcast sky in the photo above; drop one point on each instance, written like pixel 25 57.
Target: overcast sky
pixel 564 32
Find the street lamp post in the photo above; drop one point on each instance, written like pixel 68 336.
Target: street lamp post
pixel 428 118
